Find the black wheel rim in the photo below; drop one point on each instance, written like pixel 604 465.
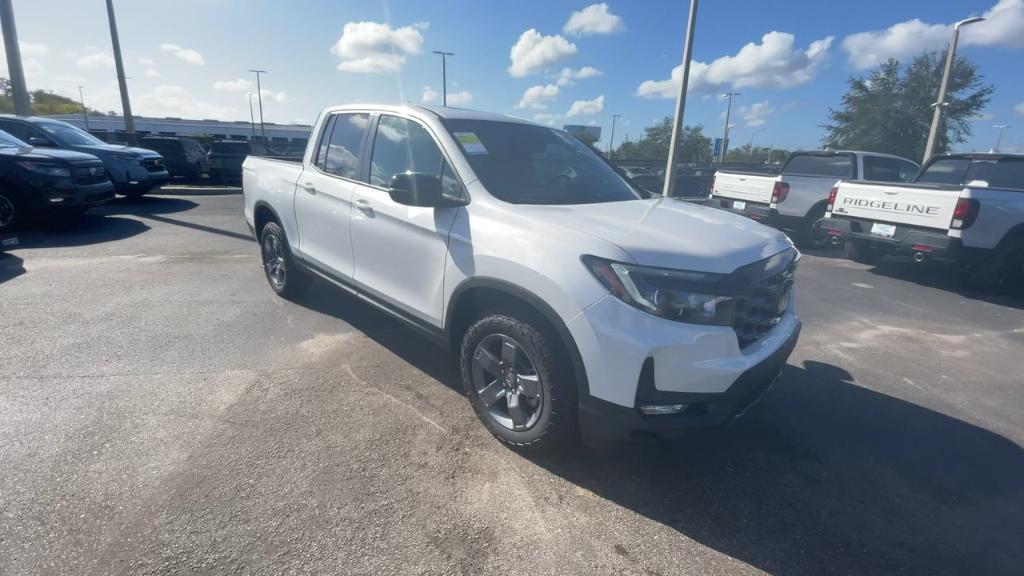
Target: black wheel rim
pixel 273 260
pixel 507 383
pixel 6 212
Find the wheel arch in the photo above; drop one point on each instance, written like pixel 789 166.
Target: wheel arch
pixel 476 295
pixel 263 212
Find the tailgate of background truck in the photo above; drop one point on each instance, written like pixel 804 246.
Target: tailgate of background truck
pixel 747 187
pixel 912 205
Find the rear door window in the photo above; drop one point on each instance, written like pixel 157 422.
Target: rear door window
pixel 832 165
pixel 1008 173
pixel 325 141
pixel 346 145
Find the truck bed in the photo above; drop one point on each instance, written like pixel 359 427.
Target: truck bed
pixel 922 205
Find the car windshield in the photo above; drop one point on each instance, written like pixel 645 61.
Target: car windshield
pixel 8 141
pixel 162 146
pixel 230 148
pixel 527 164
pixel 70 135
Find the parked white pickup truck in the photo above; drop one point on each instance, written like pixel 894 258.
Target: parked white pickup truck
pixel 795 200
pixel 963 208
pixel 572 299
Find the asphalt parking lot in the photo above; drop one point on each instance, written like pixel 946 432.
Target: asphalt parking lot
pixel 161 411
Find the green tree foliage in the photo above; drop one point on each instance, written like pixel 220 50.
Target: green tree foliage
pixel 891 109
pixel 695 146
pixel 756 155
pixel 43 103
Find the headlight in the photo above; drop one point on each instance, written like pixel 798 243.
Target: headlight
pixel 677 295
pixel 48 169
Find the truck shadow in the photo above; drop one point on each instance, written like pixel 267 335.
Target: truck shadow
pixel 85 230
pixel 11 266
pixel 943 277
pixel 825 476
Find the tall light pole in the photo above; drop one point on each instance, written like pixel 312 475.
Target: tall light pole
pixel 252 119
pixel 611 139
pixel 728 115
pixel 259 98
pixel 22 105
pixel 999 139
pixel 122 82
pixel 677 124
pixel 444 75
pixel 937 115
pixel 85 111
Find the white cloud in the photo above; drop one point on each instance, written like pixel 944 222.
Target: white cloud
pixel 774 63
pixel 594 19
pixel 534 52
pixel 152 73
pixel 1004 26
pixel 178 102
pixel 538 97
pixel 97 60
pixel 568 76
pixel 187 55
pixel 430 95
pixel 279 97
pixel 461 98
pixel 32 55
pixel 1019 109
pixel 147 62
pixel 586 107
pixel 375 48
pixel 236 85
pixel 755 114
pixel 547 118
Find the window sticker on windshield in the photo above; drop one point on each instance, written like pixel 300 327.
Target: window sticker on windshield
pixel 470 143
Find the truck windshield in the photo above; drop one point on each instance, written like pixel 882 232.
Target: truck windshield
pixel 527 164
pixel 70 135
pixel 231 148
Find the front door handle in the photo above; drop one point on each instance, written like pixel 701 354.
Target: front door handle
pixel 309 187
pixel 364 205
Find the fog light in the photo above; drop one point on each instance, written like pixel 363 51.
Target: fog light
pixel 56 200
pixel 662 409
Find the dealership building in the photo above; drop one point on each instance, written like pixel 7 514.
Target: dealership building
pixel 111 129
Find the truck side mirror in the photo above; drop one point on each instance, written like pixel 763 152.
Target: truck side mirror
pixel 418 189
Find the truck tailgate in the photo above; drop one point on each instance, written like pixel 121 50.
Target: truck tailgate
pixel 748 187
pixel 912 205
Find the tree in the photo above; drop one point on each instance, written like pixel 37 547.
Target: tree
pixel 891 109
pixel 756 155
pixel 43 102
pixel 695 146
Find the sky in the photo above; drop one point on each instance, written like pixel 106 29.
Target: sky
pixel 553 61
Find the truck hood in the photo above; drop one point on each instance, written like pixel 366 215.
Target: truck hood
pixel 671 233
pixel 102 150
pixel 69 156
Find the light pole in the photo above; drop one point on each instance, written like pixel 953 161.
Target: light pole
pixel 937 115
pixel 444 75
pixel 728 114
pixel 259 98
pixel 611 139
pixel 751 143
pixel 22 105
pixel 122 82
pixel 677 124
pixel 85 111
pixel 999 139
pixel 252 120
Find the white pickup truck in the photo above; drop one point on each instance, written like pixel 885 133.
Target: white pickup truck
pixel 966 209
pixel 573 301
pixel 795 200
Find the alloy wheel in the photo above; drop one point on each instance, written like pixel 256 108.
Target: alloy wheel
pixel 7 213
pixel 507 382
pixel 273 260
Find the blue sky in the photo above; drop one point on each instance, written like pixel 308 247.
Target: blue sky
pixel 788 59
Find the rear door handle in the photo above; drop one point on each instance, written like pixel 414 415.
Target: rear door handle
pixel 364 205
pixel 309 187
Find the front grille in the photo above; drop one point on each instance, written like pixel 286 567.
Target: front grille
pixel 761 308
pixel 89 175
pixel 153 164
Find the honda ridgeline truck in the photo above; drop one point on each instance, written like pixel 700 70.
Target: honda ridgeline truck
pixel 572 300
pixel 966 209
pixel 795 200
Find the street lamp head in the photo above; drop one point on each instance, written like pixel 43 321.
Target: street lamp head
pixel 968 21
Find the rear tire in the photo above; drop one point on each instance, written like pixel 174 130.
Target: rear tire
pixel 13 210
pixel 863 252
pixel 283 274
pixel 511 376
pixel 999 272
pixel 809 235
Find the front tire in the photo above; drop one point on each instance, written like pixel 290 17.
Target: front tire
pixel 513 383
pixel 13 211
pixel 286 279
pixel 863 252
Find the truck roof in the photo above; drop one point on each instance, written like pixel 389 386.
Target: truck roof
pixel 861 152
pixel 438 111
pixel 979 156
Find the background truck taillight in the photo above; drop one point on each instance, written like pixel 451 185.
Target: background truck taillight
pixel 965 213
pixel 779 192
pixel 832 197
pixel 711 187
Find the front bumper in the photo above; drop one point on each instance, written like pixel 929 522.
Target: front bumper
pixel 634 359
pixel 69 195
pixel 135 178
pixel 907 240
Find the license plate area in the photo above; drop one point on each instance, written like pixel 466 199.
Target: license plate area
pixel 883 230
pixel 739 205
